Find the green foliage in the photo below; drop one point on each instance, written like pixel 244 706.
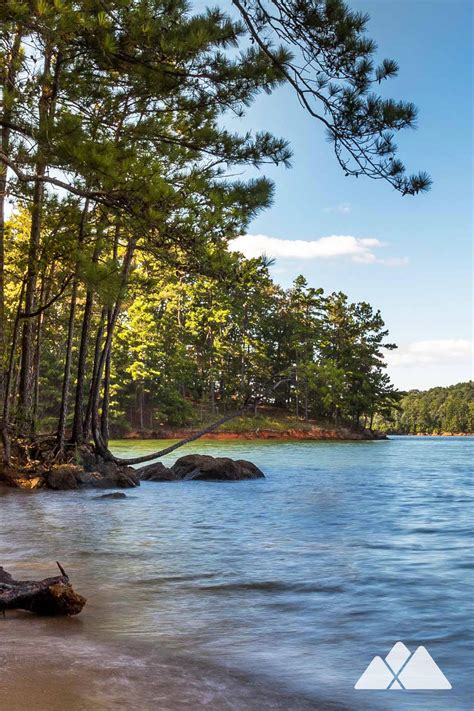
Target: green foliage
pixel 434 411
pixel 213 340
pixel 330 65
pixel 117 277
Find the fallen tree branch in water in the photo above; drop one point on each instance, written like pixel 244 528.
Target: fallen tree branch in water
pixel 250 401
pixel 51 596
pixel 181 443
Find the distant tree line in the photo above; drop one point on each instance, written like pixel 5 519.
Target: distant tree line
pixel 448 409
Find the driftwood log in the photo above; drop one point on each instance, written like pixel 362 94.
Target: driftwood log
pixel 51 596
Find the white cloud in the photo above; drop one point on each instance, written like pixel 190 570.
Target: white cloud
pixel 344 208
pixel 439 352
pixel 360 250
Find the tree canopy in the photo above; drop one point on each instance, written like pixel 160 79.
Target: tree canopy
pixel 122 173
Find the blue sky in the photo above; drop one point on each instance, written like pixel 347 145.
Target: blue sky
pixel 421 274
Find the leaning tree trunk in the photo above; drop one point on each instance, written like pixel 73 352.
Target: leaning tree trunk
pixel 248 402
pixel 182 442
pixel 51 596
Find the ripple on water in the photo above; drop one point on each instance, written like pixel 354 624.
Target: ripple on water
pixel 295 581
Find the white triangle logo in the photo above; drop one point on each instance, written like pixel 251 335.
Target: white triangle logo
pixel 376 676
pixel 402 670
pixel 422 672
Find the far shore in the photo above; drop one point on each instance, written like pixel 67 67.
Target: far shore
pixel 437 434
pixel 314 433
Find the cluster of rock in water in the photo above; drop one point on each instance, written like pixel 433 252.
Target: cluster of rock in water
pixel 96 472
pixel 204 467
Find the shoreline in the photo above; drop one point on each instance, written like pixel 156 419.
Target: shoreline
pixel 292 434
pixel 82 670
pixel 312 434
pixel 431 434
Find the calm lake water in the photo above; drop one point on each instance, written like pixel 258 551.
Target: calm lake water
pixel 268 594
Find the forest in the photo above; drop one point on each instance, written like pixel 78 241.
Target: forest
pixel 184 342
pixel 449 409
pixel 119 198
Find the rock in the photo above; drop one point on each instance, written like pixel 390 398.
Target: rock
pixel 205 467
pixel 88 459
pixel 114 495
pixel 87 471
pixel 102 474
pixel 115 475
pixel 90 479
pixel 63 476
pixel 35 482
pixel 157 472
pixel 72 476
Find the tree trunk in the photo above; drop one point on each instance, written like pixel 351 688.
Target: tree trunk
pixel 104 417
pixel 67 369
pixel 95 399
pixel 140 398
pixel 8 84
pixel 95 367
pixel 37 353
pixel 9 391
pixel 249 402
pixel 306 414
pixel 51 596
pixel 212 393
pixel 70 337
pixel 26 387
pixel 46 111
pixel 81 425
pixel 181 443
pixel 44 298
pixel 297 399
pixel 77 436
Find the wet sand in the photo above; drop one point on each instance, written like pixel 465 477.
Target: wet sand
pixel 50 665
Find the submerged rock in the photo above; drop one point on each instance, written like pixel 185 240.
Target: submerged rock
pixel 114 495
pixel 205 467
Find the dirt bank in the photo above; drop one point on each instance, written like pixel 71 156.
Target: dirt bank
pixel 313 433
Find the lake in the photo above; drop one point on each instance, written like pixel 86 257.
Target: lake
pixel 266 594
